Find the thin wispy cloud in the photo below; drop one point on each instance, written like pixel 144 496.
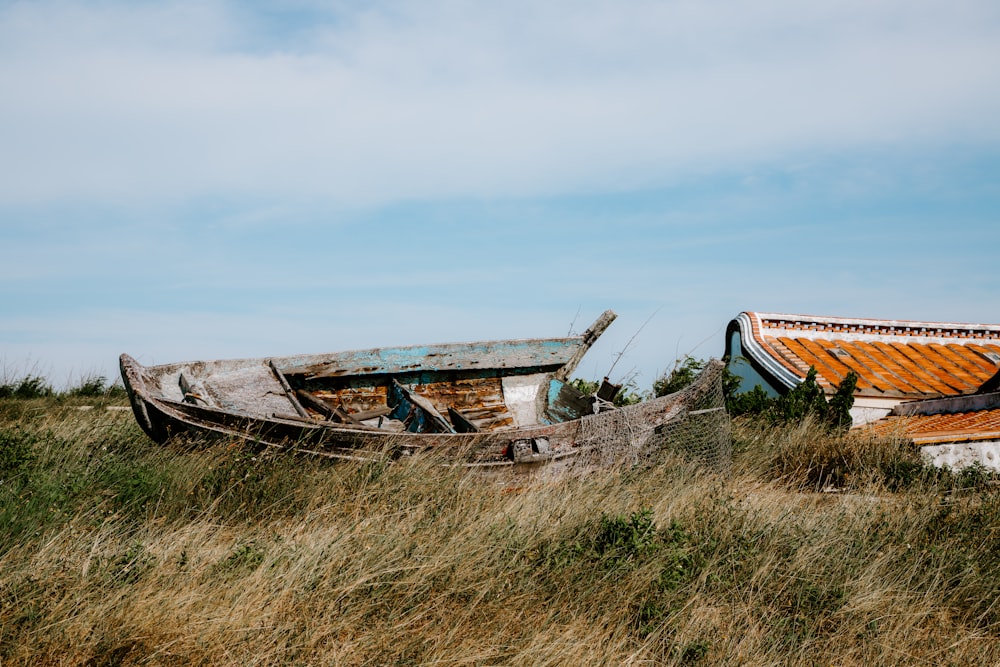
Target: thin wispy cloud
pixel 418 100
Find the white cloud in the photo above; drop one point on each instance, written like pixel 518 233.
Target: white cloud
pixel 175 100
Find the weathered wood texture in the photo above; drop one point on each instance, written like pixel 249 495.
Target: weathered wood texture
pixel 476 398
pixel 511 356
pixel 301 411
pixel 600 439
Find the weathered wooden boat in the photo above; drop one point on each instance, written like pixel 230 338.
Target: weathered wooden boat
pixel 497 403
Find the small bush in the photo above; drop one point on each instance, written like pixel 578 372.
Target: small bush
pixel 621 542
pixel 684 373
pixel 96 386
pixel 16 450
pixel 621 539
pixel 805 400
pixel 681 375
pixel 91 386
pixel 33 386
pixel 116 391
pixel 753 403
pixel 693 653
pixel 627 395
pixel 30 386
pixel 976 476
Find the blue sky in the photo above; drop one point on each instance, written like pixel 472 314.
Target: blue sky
pixel 183 180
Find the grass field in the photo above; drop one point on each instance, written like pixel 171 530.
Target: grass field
pixel 817 549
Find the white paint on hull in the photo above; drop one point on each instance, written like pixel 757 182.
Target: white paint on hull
pixel 523 394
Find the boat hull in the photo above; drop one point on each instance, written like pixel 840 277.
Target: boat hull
pixel 487 404
pixel 608 437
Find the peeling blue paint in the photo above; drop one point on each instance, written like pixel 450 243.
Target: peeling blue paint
pixel 538 355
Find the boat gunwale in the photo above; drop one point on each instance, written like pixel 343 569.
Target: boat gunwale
pixel 326 358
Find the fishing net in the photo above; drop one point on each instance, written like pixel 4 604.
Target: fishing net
pixel 692 423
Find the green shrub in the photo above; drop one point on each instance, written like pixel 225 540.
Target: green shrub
pixel 627 395
pixel 96 386
pixel 621 539
pixel 30 386
pixel 805 400
pixel 33 386
pixel 693 652
pixel 753 403
pixel 16 450
pixel 976 476
pixel 91 386
pixel 839 407
pixel 684 373
pixel 681 375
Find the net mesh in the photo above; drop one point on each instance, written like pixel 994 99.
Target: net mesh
pixel 692 423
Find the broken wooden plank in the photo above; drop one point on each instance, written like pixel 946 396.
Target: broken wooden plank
pixel 371 414
pixel 425 408
pixel 327 410
pixel 338 413
pixel 566 403
pixel 589 337
pixel 317 422
pixel 288 391
pixel 461 423
pixel 310 401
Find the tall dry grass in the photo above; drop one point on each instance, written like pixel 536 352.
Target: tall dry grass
pixel 114 551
